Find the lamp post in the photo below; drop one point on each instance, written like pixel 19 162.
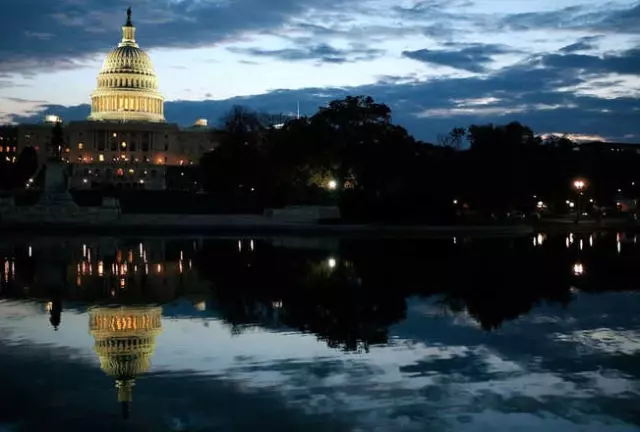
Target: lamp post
pixel 579 186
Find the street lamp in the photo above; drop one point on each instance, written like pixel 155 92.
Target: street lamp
pixel 332 184
pixel 579 186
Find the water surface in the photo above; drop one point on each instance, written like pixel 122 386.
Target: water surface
pixel 189 334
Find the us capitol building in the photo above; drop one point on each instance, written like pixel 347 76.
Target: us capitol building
pixel 126 141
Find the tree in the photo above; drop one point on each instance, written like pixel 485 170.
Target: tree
pixel 26 166
pixel 453 139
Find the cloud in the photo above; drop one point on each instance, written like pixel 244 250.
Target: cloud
pixel 583 44
pixel 473 58
pixel 552 80
pixel 323 53
pixel 76 31
pixel 525 92
pixel 625 62
pixel 609 18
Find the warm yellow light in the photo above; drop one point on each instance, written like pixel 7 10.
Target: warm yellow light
pixel 332 262
pixel 332 184
pixel 579 184
pixel 100 268
pixel 131 171
pixel 578 269
pixel 159 268
pixel 80 146
pixel 124 144
pixel 101 157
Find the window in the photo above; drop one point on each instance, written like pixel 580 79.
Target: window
pixel 145 146
pixel 153 173
pixel 166 146
pixel 114 145
pixel 132 146
pixel 80 146
pixel 102 139
pixel 101 157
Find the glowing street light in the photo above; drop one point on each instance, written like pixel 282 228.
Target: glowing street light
pixel 579 185
pixel 332 184
pixel 578 269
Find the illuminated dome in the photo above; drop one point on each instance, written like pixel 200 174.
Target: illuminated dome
pixel 127 84
pixel 125 339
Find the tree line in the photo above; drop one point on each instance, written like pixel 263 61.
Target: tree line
pixel 350 153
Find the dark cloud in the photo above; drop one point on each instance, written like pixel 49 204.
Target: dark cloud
pixel 472 58
pixel 526 92
pixel 324 53
pixel 626 62
pixel 608 18
pixel 434 9
pixel 583 44
pixel 78 30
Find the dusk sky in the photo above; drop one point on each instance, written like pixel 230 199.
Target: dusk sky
pixel 556 65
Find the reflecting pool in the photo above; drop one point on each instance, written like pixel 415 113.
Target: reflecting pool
pixel 320 334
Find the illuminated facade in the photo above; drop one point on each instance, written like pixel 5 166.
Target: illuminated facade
pixel 8 143
pixel 125 339
pixel 126 129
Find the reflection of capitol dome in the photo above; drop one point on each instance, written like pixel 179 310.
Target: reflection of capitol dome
pixel 127 84
pixel 125 341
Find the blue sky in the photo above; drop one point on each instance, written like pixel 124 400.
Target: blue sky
pixel 559 66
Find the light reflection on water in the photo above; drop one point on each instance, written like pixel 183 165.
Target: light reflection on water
pixel 355 336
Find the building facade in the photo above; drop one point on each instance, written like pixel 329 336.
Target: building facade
pixel 125 141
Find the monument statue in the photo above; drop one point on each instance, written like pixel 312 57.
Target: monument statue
pixel 56 194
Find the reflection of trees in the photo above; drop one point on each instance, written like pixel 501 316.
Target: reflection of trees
pixel 274 286
pixel 352 305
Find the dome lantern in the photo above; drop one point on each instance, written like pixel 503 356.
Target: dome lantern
pixel 128 32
